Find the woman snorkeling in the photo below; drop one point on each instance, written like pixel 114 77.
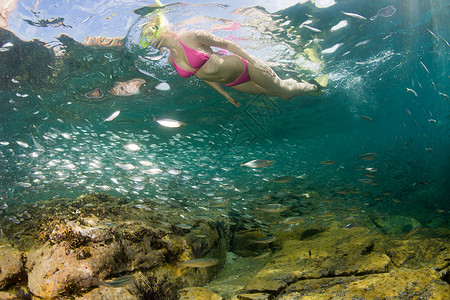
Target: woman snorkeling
pixel 191 54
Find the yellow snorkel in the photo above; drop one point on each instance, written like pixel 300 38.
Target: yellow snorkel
pixel 154 28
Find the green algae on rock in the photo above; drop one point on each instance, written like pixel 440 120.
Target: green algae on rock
pixel 346 264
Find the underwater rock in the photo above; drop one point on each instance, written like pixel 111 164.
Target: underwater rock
pixel 127 88
pixel 75 233
pixel 255 296
pixel 79 244
pixel 194 293
pixel 94 94
pixel 336 252
pixel 11 266
pixel 418 251
pixel 106 293
pixel 399 284
pixel 357 263
pixel 54 270
pixel 103 41
pixel 144 247
pixel 163 86
pixel 7 296
pixel 396 225
pixel 82 255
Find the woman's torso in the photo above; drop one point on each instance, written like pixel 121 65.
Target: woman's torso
pixel 217 68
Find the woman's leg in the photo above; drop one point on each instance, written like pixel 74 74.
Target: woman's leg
pixel 264 83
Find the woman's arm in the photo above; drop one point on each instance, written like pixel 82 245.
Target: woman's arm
pixel 206 38
pixel 224 93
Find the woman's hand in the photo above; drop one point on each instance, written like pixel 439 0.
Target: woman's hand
pixel 224 93
pixel 233 101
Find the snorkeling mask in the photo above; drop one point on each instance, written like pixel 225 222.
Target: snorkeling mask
pixel 154 28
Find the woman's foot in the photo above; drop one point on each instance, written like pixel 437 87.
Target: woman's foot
pixel 316 84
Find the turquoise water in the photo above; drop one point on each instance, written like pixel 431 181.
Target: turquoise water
pixel 392 71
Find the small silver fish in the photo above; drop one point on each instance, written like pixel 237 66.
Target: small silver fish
pixel 265 240
pixel 303 176
pixel 274 208
pixel 36 144
pixel 6 47
pixel 171 123
pixel 312 28
pixel 184 226
pixel 126 167
pixel 293 220
pixel 112 116
pixel 22 144
pixel 118 283
pixel 282 179
pixel 262 255
pixel 432 33
pixel 350 226
pixel 445 41
pixel 356 16
pixel 132 147
pixel 368 156
pixel 66 135
pixel 366 118
pixel 200 262
pixel 339 25
pixel 142 206
pixel 152 171
pixel 443 95
pixel 424 67
pixel 13 219
pixel 412 91
pixel 258 163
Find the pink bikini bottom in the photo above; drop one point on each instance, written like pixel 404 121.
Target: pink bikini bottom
pixel 244 76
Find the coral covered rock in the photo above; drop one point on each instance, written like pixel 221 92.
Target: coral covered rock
pixel 400 284
pixel 194 293
pixel 54 270
pixel 356 263
pixel 11 266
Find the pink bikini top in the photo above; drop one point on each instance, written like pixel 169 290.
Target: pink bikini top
pixel 195 58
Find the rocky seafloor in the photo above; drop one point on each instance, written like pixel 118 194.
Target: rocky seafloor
pixel 103 247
